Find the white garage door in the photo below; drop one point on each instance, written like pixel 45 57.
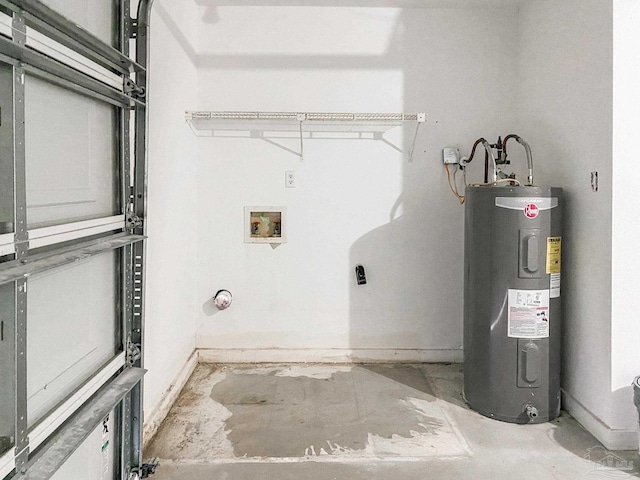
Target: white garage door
pixel 72 204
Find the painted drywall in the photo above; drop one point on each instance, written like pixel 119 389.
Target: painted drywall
pixel 576 113
pixel 544 67
pixel 625 334
pixel 171 218
pixel 355 201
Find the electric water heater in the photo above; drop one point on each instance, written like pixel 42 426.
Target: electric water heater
pixel 512 288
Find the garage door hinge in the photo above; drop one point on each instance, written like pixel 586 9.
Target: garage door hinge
pixel 132 89
pixel 149 468
pixel 132 220
pixel 133 353
pixel 145 470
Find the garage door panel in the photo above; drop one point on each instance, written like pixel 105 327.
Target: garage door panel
pixel 71 155
pixel 72 318
pixel 70 302
pixel 95 458
pixel 96 16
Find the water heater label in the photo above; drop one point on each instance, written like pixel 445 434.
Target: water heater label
pixel 528 315
pixel 554 248
pixel 554 285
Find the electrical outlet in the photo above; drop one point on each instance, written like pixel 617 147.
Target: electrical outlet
pixel 450 155
pixel 290 179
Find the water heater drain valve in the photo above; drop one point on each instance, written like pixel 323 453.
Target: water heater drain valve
pixel 531 411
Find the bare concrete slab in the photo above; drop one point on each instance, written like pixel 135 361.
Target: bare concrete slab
pixel 362 422
pixel 285 412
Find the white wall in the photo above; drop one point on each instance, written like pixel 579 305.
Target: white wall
pixel 171 216
pixel 355 201
pixel 543 66
pixel 625 333
pixel 578 116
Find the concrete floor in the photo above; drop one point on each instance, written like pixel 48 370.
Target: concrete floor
pixel 361 422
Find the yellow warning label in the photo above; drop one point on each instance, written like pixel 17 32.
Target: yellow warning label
pixel 554 247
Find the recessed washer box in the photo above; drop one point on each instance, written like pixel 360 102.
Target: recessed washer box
pixel 265 224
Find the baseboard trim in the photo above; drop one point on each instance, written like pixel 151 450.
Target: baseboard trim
pixel 330 355
pixel 153 421
pixel 612 439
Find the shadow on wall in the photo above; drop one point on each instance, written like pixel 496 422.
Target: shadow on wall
pixel 413 296
pixel 209 308
pixel 401 302
pixel 175 30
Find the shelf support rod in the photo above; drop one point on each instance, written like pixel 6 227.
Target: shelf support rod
pixel 421 120
pixel 301 117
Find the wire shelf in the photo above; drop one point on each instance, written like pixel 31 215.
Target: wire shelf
pixel 203 122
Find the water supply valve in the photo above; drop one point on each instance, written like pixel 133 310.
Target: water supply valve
pixel 222 299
